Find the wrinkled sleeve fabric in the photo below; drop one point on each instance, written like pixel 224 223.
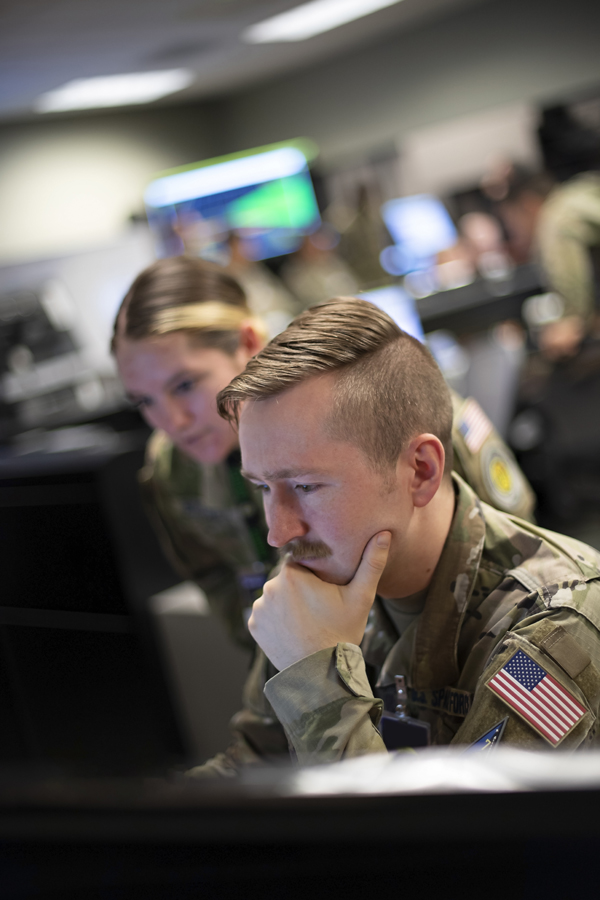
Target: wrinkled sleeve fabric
pixel 326 706
pixel 521 731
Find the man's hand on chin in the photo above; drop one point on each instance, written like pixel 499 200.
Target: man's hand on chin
pixel 298 614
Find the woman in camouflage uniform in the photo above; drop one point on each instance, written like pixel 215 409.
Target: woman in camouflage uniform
pixel 183 331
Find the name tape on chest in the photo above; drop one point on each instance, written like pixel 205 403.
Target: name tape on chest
pixel 448 700
pixel 537 697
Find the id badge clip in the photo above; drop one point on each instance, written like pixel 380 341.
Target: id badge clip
pixel 398 729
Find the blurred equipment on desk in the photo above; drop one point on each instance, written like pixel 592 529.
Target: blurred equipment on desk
pixel 55 325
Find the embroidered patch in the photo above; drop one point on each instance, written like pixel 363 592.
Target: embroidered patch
pixel 537 697
pixel 500 476
pixel 490 739
pixel 474 425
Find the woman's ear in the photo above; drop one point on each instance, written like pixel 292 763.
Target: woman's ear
pixel 426 456
pixel 251 341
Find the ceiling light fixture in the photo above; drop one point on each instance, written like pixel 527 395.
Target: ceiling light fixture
pixel 114 90
pixel 311 18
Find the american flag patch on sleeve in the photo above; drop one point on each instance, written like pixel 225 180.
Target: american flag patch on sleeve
pixel 474 425
pixel 537 697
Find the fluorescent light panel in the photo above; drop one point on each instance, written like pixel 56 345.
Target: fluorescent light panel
pixel 312 18
pixel 114 90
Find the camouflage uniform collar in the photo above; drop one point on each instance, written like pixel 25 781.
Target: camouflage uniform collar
pixel 435 662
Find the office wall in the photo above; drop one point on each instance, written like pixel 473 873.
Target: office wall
pixel 494 54
pixel 70 184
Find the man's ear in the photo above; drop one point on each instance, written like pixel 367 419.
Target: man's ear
pixel 426 457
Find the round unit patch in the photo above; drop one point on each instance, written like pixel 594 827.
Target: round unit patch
pixel 501 476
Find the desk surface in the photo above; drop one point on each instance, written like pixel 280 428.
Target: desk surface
pixel 262 839
pixel 432 796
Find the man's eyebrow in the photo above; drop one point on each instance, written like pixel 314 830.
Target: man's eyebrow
pixel 276 475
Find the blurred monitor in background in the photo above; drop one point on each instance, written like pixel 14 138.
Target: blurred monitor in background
pixel 421 228
pixel 265 196
pixel 400 306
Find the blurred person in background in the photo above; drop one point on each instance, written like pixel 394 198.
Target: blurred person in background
pixel 363 237
pixel 266 294
pixel 560 224
pixel 183 331
pixel 568 145
pixel 316 272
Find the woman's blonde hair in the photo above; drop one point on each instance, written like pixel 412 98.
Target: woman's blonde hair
pixel 188 295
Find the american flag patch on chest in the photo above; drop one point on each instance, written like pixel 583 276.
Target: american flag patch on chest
pixel 537 697
pixel 474 425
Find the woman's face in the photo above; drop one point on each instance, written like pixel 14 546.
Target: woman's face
pixel 174 383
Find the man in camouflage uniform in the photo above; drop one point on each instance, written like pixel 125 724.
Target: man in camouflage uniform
pixel 496 622
pixel 210 522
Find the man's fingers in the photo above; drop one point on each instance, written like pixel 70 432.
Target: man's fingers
pixel 371 565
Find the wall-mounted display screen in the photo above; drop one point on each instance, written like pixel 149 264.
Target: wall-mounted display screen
pixel 264 196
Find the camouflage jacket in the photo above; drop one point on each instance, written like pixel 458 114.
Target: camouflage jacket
pixel 569 226
pixel 502 587
pixel 205 534
pixel 204 529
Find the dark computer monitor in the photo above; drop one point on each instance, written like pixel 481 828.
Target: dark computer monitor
pixel 82 683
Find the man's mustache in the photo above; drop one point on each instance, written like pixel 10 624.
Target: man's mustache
pixel 300 549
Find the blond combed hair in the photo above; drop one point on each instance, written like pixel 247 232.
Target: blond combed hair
pixel 187 295
pixel 205 317
pixel 388 388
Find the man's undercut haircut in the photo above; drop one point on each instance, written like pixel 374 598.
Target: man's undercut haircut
pixel 388 387
pixel 188 295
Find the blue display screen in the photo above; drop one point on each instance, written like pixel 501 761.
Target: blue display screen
pixel 420 227
pixel 400 306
